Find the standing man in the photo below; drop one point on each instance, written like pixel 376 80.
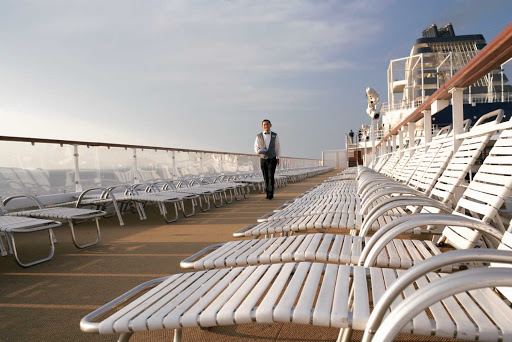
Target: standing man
pixel 269 149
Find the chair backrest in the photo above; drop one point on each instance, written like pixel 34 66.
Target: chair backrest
pixel 411 165
pixel 437 155
pixel 465 157
pixel 486 193
pixel 390 163
pixel 418 158
pixel 380 161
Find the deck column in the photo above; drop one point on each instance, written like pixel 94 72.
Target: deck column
pixel 457 115
pixel 411 126
pixel 393 143
pixel 78 184
pixel 135 180
pixel 401 140
pixel 427 126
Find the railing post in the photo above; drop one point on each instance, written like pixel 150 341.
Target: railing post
pixel 78 184
pixel 457 115
pixel 411 127
pixel 438 106
pixel 135 168
pixel 401 141
pixel 427 127
pixel 201 163
pixel 174 168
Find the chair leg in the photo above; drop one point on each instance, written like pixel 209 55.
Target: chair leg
pixel 206 201
pixel 12 243
pixel 3 251
pixel 125 337
pixel 177 335
pixel 118 212
pixel 345 335
pixel 193 211
pixel 175 211
pixel 216 196
pixel 73 237
pixel 230 197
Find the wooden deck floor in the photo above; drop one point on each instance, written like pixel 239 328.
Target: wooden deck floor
pixel 46 302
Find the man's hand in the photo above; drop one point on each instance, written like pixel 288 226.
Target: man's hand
pixel 277 162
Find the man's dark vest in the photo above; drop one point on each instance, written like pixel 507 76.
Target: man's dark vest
pixel 271 150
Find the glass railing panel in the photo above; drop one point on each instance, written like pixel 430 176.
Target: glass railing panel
pixel 38 169
pixel 104 167
pixel 188 163
pixel 154 165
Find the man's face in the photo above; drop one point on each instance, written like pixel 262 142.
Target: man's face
pixel 266 126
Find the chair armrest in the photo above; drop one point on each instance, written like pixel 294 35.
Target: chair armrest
pixel 33 198
pixel 384 235
pixel 240 233
pixel 87 325
pixel 367 201
pixel 265 217
pixel 432 293
pixel 189 262
pixel 396 202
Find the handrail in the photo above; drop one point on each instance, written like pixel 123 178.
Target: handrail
pixel 495 53
pixel 125 146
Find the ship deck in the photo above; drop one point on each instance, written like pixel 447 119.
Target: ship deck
pixel 46 302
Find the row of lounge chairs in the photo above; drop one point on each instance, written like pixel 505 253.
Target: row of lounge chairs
pixel 93 204
pixel 352 280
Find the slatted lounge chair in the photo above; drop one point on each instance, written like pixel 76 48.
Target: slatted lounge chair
pixel 344 214
pixel 161 198
pixel 484 196
pixel 11 225
pixel 70 215
pixel 99 199
pixel 236 190
pixel 305 293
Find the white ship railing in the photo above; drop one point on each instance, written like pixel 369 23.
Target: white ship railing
pixel 45 166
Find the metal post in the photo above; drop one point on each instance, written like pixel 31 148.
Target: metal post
pixel 322 158
pixel 393 142
pixel 372 137
pixel 457 115
pixel 365 156
pixel 174 168
pixel 135 180
pixel 401 140
pixel 427 127
pixel 502 84
pixel 201 163
pixel 411 126
pixel 78 184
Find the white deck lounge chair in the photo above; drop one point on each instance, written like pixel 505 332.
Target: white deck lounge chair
pixel 10 226
pixel 70 215
pixel 343 214
pixel 484 196
pixel 329 295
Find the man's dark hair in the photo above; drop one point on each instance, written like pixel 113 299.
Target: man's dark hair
pixel 267 120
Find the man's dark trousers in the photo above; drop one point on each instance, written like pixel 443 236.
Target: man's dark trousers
pixel 268 167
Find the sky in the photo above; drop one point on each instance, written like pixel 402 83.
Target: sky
pixel 204 74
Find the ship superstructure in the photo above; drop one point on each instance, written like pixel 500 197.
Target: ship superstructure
pixel 433 60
